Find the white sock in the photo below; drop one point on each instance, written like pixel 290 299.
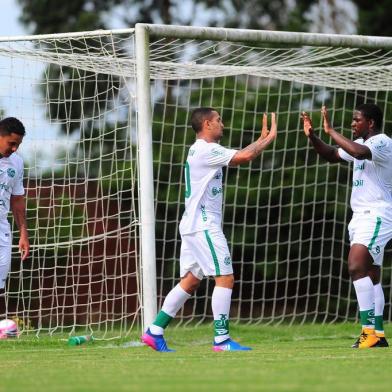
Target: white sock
pixel 379 303
pixel 220 303
pixel 172 304
pixel 365 293
pixel 379 300
pixel 365 296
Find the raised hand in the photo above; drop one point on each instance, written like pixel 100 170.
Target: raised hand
pixel 308 127
pixel 264 129
pixel 254 149
pixel 326 123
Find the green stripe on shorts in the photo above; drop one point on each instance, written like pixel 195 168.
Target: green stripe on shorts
pixel 209 241
pixel 375 234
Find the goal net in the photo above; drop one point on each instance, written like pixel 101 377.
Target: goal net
pixel 285 214
pixel 80 178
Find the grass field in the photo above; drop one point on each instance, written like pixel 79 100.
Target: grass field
pixel 296 358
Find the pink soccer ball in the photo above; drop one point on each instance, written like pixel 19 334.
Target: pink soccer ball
pixel 8 329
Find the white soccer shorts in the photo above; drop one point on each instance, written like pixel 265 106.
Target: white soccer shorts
pixel 5 263
pixel 371 230
pixel 205 253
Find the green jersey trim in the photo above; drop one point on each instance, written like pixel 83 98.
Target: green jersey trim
pixel 187 180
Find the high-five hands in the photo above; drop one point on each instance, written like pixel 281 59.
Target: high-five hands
pixel 307 122
pixel 326 123
pixel 264 129
pixel 308 126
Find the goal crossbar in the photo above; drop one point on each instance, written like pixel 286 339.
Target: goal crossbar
pixel 266 36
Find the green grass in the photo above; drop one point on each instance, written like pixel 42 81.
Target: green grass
pixel 284 358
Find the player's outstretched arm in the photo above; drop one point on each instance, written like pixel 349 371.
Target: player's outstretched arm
pixel 356 150
pixel 328 152
pixel 252 151
pixel 18 208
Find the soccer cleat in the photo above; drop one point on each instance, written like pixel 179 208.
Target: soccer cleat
pixel 156 342
pixel 382 342
pixel 229 345
pixel 356 344
pixel 367 339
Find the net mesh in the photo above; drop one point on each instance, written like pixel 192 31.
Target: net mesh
pixel 285 214
pixel 80 178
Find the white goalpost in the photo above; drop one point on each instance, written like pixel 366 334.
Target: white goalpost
pixel 107 118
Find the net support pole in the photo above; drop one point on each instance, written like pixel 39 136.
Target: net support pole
pixel 146 179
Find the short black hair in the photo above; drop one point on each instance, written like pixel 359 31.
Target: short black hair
pixel 371 112
pixel 10 125
pixel 198 116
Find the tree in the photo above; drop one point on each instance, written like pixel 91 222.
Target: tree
pixel 374 18
pixel 50 16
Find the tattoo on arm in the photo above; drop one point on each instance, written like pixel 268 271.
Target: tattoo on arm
pixel 257 147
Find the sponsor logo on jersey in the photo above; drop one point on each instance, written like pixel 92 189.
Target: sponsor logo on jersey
pixel 216 191
pixel 11 172
pixel 217 152
pixel 4 186
pixel 218 176
pixel 227 260
pixel 203 213
pixel 381 144
pixel 358 183
pixel 360 166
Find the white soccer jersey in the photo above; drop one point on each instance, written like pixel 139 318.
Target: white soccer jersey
pixel 11 183
pixel 372 179
pixel 203 186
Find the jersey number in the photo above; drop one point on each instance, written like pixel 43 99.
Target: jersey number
pixel 187 180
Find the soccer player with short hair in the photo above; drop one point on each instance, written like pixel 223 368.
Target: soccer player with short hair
pixel 371 202
pixel 12 132
pixel 204 250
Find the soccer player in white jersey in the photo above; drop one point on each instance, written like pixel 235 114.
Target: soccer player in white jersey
pixel 371 202
pixel 204 250
pixel 12 132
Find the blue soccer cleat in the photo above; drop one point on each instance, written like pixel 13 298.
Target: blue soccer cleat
pixel 156 342
pixel 229 345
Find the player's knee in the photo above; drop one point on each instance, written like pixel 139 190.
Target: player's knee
pixel 225 281
pixel 357 270
pixel 189 283
pixel 193 286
